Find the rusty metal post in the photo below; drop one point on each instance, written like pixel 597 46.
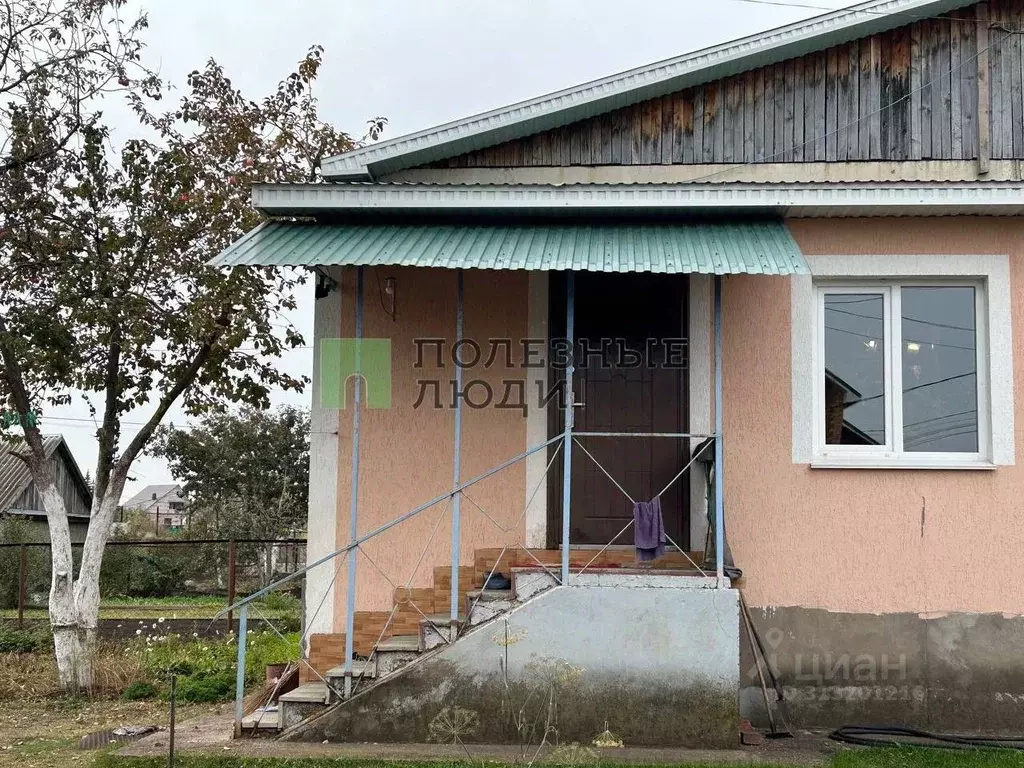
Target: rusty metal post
pixel 231 582
pixel 22 584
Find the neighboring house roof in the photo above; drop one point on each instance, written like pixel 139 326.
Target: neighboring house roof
pixel 144 498
pixel 609 93
pixel 14 474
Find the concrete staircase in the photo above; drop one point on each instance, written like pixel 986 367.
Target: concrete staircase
pixel 391 655
pixel 479 606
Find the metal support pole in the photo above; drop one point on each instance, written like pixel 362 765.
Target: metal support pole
pixel 353 527
pixel 231 581
pixel 243 615
pixel 22 584
pixel 570 303
pixel 170 732
pixel 719 501
pixel 457 464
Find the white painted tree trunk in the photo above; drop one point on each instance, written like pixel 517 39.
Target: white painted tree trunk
pixel 75 603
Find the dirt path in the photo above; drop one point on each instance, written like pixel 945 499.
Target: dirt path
pixel 44 732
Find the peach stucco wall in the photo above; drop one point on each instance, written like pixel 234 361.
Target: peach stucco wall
pixel 925 541
pixel 406 453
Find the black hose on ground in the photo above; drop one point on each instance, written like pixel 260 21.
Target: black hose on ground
pixel 898 736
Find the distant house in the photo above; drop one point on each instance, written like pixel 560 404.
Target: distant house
pixel 164 504
pixel 19 497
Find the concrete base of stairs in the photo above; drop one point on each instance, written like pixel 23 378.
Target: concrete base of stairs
pixel 211 735
pixel 653 660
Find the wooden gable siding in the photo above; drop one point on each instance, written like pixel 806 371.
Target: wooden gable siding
pixel 74 501
pixel 907 94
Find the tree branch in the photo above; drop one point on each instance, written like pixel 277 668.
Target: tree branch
pixel 183 382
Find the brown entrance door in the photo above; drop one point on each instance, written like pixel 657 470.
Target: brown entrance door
pixel 617 396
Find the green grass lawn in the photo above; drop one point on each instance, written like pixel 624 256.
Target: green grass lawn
pixel 877 757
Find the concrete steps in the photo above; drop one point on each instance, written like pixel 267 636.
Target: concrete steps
pixel 305 701
pixel 423 632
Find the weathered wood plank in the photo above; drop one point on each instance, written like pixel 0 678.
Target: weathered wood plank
pixel 866 104
pixel 647 129
pixel 603 156
pixel 1003 128
pixel 655 134
pixel 830 112
pixel 875 105
pixel 720 122
pixel 955 109
pixel 758 107
pixel 682 128
pixel 1016 96
pixel 996 39
pixel 748 117
pixel 927 85
pixel 779 145
pixel 823 83
pixel 942 42
pixel 618 132
pixel 984 131
pixel 636 135
pixel 814 77
pixel 575 146
pixel 939 88
pixel 594 156
pixel 915 92
pixel 711 97
pixel 668 131
pixel 837 138
pixel 697 141
pixel 799 68
pixel 770 112
pixel 899 94
pixel 969 86
pixel 853 124
pixel 733 138
pixel 885 96
pixel 788 132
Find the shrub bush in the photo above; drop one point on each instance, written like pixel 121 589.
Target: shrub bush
pixel 143 571
pixel 205 689
pixel 37 560
pixel 206 666
pixel 138 691
pixel 18 641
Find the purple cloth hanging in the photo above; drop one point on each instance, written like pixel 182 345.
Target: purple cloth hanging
pixel 648 530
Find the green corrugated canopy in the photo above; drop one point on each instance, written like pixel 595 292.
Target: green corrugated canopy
pixel 757 247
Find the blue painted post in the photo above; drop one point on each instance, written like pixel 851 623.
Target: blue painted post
pixel 719 501
pixel 570 304
pixel 457 463
pixel 353 527
pixel 243 615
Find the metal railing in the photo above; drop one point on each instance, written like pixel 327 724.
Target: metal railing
pixel 564 443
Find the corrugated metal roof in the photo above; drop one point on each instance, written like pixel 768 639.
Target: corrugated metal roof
pixel 760 247
pixel 604 95
pixel 14 474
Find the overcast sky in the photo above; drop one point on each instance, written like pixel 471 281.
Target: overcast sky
pixel 419 63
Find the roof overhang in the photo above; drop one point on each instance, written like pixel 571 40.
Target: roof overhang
pixel 340 201
pixel 763 247
pixel 620 90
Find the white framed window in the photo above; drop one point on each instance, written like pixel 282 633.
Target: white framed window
pixel 903 362
pixel 900 371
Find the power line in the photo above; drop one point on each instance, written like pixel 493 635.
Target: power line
pixel 865 11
